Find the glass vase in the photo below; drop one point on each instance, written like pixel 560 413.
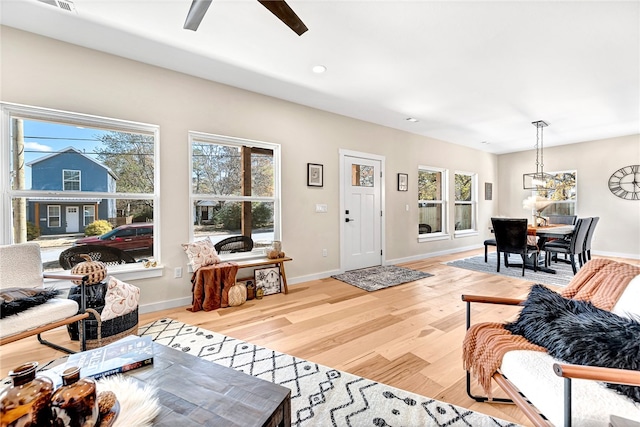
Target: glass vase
pixel 26 403
pixel 75 403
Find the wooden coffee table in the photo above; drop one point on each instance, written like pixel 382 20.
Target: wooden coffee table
pixel 196 392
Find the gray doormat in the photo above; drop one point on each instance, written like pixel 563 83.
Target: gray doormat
pixel 380 277
pixel 563 275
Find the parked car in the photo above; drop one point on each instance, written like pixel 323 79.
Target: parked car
pixel 129 237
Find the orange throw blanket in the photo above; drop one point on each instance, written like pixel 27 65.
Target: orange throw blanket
pixel 211 285
pixel 600 281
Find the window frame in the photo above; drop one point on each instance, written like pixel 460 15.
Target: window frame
pixel 49 215
pixel 444 190
pixel 84 215
pixel 66 180
pixel 473 203
pixel 573 201
pixel 8 111
pixel 202 137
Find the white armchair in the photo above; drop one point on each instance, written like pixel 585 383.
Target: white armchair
pixel 21 267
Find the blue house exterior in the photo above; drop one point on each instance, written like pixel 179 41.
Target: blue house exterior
pixel 69 171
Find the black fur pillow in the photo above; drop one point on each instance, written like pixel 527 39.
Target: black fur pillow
pixel 577 332
pixel 16 300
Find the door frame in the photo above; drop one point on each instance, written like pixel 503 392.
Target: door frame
pixel 350 153
pixel 67 216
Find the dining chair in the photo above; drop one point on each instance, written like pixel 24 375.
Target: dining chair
pixel 511 238
pixel 587 242
pixel 487 243
pixel 574 246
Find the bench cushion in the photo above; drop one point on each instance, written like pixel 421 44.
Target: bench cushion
pixel 593 403
pixel 52 311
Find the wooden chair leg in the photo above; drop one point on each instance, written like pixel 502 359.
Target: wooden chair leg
pixel 485 253
pixel 498 261
pixel 572 258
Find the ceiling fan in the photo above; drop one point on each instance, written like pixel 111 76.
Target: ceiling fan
pixel 279 8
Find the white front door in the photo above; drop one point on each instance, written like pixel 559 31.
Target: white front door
pixel 361 214
pixel 73 219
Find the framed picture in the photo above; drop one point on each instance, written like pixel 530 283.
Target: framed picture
pixel 268 279
pixel 403 182
pixel 315 175
pixel 488 191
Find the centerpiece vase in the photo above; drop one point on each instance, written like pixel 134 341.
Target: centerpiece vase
pixel 75 404
pixel 27 403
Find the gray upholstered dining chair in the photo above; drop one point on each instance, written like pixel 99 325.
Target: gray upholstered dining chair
pixel 574 246
pixel 587 242
pixel 563 219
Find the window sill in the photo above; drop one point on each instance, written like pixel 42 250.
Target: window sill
pixel 433 237
pixel 124 272
pixel 465 233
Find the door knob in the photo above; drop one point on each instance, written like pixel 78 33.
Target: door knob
pixel 348 219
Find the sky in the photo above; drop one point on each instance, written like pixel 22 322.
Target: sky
pixel 44 138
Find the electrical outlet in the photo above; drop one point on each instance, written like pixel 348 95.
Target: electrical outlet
pixel 177 273
pixel 324 252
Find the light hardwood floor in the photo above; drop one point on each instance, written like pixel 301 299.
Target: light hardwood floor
pixel 408 336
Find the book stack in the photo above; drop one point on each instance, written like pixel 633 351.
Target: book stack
pixel 124 355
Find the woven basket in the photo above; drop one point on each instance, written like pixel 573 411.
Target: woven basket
pixel 96 270
pixel 101 333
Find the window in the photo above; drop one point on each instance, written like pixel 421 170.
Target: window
pixel 235 189
pixel 559 195
pixel 53 216
pixel 64 170
pixel 70 180
pixel 465 202
pixel 89 214
pixel 432 208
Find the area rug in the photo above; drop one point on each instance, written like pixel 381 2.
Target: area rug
pixel 380 277
pixel 320 396
pixel 563 275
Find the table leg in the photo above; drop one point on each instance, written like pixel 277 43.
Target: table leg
pixel 284 277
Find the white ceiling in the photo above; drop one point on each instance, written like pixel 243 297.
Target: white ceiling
pixel 469 71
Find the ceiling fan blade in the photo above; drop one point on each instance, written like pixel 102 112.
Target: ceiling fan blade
pixel 196 13
pixel 281 9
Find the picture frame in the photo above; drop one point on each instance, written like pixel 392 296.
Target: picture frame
pixel 315 175
pixel 488 191
pixel 403 182
pixel 268 279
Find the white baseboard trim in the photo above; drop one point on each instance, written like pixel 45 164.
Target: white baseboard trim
pixel 431 255
pixel 615 254
pixel 310 277
pixel 164 305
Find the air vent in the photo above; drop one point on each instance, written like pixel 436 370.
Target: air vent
pixel 62 4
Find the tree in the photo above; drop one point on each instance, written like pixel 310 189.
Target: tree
pixel 130 157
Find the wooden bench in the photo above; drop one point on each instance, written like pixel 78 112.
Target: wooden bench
pixel 258 262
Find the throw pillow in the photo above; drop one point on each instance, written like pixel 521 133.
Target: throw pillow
pixel 16 300
pixel 577 332
pixel 121 298
pixel 201 253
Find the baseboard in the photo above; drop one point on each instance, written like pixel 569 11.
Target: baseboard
pixel 432 254
pixel 615 255
pixel 164 305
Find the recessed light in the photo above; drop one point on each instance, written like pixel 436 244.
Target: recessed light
pixel 411 119
pixel 319 69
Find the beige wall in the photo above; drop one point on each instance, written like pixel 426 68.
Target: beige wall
pixel 618 232
pixel 47 73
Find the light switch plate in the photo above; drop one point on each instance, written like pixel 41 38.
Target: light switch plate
pixel 321 208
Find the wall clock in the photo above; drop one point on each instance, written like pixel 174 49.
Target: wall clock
pixel 625 182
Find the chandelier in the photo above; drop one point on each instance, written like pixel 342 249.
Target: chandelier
pixel 532 181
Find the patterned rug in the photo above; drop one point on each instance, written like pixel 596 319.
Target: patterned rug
pixel 380 277
pixel 320 396
pixel 563 275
